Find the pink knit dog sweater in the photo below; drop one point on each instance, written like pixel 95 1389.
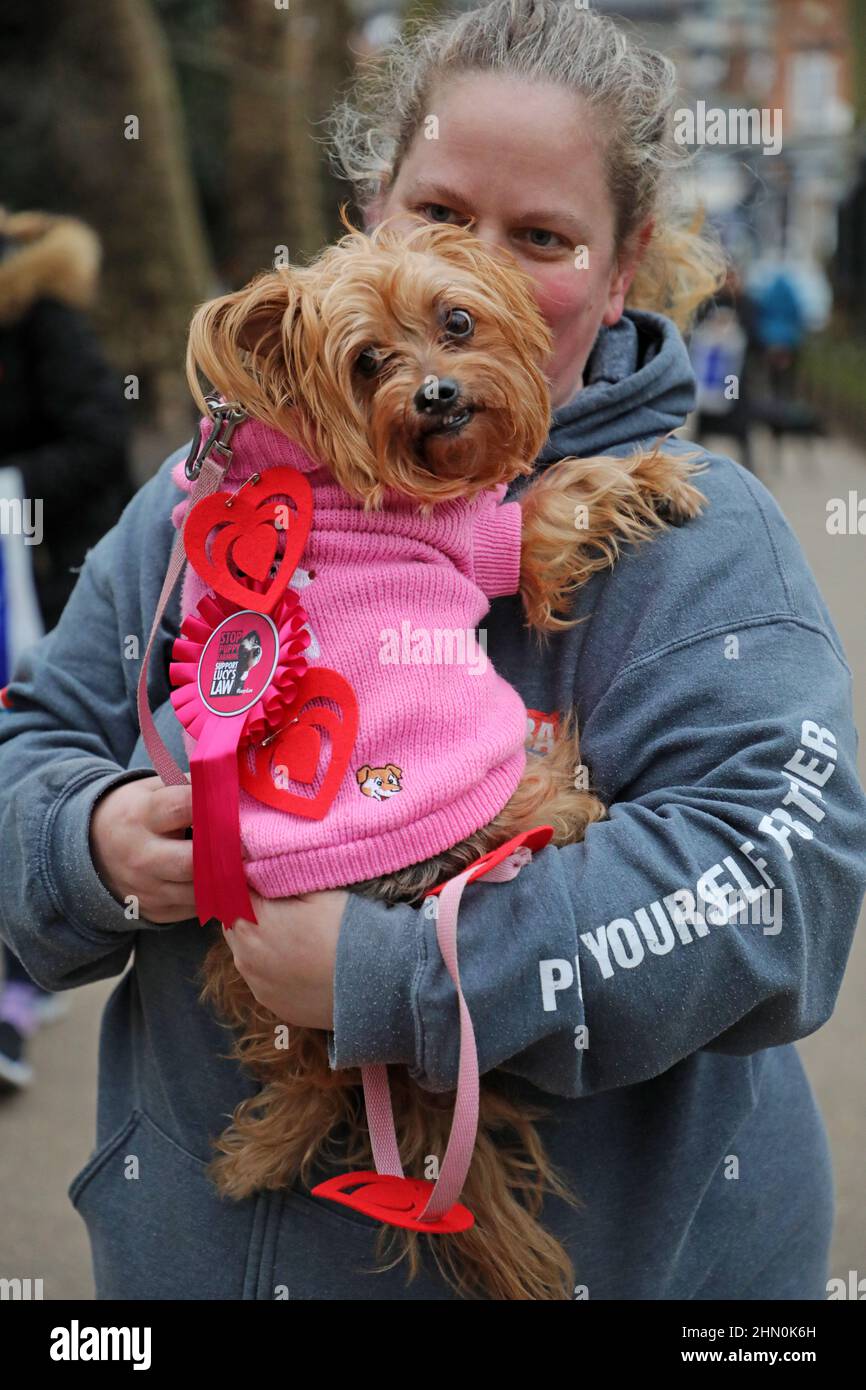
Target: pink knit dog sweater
pixel 393 605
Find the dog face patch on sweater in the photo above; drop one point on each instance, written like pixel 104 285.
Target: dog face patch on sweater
pixel 379 782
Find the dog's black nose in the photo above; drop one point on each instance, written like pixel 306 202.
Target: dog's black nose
pixel 436 395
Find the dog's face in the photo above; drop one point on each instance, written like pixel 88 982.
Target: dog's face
pixel 379 782
pixel 412 361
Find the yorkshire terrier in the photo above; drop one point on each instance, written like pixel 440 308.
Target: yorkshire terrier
pixel 413 360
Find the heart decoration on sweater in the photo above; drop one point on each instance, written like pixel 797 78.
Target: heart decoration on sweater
pixel 243 687
pixel 296 753
pixel 241 530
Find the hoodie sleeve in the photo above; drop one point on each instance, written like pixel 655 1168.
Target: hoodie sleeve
pixel 67 732
pixel 604 964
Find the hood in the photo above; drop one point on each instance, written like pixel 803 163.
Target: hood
pixel 638 384
pixel 51 257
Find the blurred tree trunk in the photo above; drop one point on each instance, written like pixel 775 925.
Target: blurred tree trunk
pixel 335 66
pixel 121 137
pixel 857 25
pixel 282 69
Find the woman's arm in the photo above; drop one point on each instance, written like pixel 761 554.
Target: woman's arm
pixel 66 740
pixel 584 973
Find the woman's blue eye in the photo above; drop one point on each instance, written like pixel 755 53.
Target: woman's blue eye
pixel 432 208
pixel 544 245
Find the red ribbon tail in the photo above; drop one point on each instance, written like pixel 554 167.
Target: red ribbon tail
pixel 218 872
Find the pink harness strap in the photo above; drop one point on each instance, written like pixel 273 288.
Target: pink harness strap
pixel 464 1126
pixel 207 482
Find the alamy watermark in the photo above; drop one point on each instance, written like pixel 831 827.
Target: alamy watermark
pixel 22 516
pixel 437 646
pixel 77 1343
pixel 853 1288
pixel 735 127
pixel 21 1290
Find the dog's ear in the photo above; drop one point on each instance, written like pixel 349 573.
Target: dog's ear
pixel 273 313
pixel 362 774
pixel 396 770
pixel 244 342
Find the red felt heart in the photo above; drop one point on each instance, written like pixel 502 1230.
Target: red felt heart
pixel 240 536
pixel 254 553
pixel 396 1201
pixel 302 751
pixel 293 748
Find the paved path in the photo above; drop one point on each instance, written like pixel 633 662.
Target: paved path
pixel 46 1136
pixel 803 480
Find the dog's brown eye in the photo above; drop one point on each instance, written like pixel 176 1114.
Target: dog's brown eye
pixel 368 361
pixel 459 323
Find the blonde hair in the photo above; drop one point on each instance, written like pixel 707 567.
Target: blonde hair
pixel 632 88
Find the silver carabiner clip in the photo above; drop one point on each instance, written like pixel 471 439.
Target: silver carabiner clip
pixel 227 415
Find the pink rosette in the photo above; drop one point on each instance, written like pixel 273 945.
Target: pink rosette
pixel 267 714
pixel 229 714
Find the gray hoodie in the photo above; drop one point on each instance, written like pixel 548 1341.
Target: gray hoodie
pixel 608 981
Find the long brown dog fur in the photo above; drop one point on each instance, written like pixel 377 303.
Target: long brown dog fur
pixel 287 347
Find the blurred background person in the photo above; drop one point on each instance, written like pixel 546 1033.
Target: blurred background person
pixel 64 474
pixel 22 1002
pixel 63 421
pixel 780 327
pixel 720 346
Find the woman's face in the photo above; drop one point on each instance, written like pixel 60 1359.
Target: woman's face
pixel 523 159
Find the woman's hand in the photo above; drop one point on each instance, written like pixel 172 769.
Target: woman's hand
pixel 288 958
pixel 137 844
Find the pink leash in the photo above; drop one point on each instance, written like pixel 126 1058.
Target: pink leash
pixel 385 1194
pixel 464 1126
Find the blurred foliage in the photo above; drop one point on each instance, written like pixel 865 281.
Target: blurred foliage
pixel 416 11
pixel 27 107
pixel 857 19
pixel 225 169
pixel 190 27
pixel 218 48
pixel 833 368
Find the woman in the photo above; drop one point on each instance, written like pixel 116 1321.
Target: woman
pixel 63 418
pixel 605 982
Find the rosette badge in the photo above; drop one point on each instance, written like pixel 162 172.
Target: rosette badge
pixel 238 661
pixel 235 673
